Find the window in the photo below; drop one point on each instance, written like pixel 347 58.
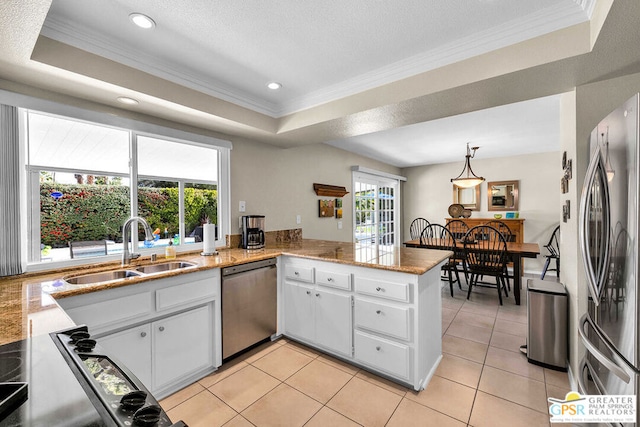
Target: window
pixel 376 212
pixel 81 177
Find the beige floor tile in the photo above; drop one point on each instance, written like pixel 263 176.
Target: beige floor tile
pixel 445 326
pixel 244 387
pixel 473 333
pixel 223 372
pixel 515 388
pixel 450 398
pixel 202 410
pixel 326 417
pixel 466 349
pixel 365 403
pixel 520 317
pixel 511 327
pixel 282 362
pixel 507 341
pixel 474 319
pixel 180 396
pixel 238 421
pixel 453 303
pixel 482 309
pixel 491 411
pixel 410 414
pixel 460 370
pixel 448 314
pixel 303 349
pixel 559 393
pixel 259 352
pixel 284 406
pixel 556 378
pixel 319 380
pixel 513 362
pixel 383 382
pixel 337 363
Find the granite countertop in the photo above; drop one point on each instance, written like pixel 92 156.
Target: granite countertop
pixel 28 307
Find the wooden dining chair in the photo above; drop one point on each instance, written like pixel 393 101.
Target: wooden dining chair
pixel 416 227
pixel 504 229
pixel 554 253
pixel 459 229
pixel 486 256
pixel 435 236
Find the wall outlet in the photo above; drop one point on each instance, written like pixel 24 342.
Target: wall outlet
pixel 243 206
pixel 339 225
pixel 298 219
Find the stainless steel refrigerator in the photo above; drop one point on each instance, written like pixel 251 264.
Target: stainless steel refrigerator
pixel 608 228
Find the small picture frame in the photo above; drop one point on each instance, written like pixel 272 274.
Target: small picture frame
pixel 325 208
pixel 510 215
pixel 339 213
pixel 338 203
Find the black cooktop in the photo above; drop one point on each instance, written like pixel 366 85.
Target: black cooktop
pixel 55 397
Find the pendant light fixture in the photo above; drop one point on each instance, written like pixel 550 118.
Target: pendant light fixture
pixel 469 179
pixel 607 164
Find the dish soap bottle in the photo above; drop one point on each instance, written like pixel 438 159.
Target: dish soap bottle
pixel 170 251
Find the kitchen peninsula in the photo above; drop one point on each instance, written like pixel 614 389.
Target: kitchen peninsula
pixel 388 303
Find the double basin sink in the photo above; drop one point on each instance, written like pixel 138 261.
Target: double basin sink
pixel 117 275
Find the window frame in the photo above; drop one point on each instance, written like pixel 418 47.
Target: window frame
pixel 135 130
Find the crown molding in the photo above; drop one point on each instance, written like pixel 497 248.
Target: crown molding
pixel 82 39
pixel 534 25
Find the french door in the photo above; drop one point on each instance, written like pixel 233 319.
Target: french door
pixel 376 211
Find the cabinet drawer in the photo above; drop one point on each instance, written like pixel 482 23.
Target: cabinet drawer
pixel 185 293
pixel 112 311
pixel 378 288
pixel 394 321
pixel 335 280
pixel 301 274
pixel 382 354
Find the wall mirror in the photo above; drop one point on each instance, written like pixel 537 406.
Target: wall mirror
pixel 467 197
pixel 502 195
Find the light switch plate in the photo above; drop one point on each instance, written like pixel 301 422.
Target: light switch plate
pixel 298 219
pixel 243 206
pixel 339 225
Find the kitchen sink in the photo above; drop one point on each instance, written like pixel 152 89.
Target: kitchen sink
pixel 106 276
pixel 165 266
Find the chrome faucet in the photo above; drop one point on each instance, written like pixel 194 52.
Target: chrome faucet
pixel 126 236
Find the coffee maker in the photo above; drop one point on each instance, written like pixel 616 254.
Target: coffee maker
pixel 252 231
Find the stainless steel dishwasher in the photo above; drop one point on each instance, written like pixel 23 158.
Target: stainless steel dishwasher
pixel 249 305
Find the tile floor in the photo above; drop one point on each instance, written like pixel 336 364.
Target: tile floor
pixel 483 380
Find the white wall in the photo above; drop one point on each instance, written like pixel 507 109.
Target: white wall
pixel 278 183
pixel 428 193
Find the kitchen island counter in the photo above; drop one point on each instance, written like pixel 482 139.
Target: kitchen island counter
pixel 28 307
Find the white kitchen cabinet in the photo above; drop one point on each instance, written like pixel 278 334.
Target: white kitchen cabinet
pixel 182 345
pixel 133 348
pixel 299 310
pixel 385 321
pixel 166 331
pixel 317 315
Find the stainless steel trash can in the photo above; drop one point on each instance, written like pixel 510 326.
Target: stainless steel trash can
pixel 547 315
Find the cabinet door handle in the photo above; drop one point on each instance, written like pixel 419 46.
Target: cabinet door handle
pixel 317 295
pixel 378 289
pixel 378 348
pixel 161 328
pixel 143 334
pixel 378 311
pixel 296 273
pixel 308 292
pixel 329 279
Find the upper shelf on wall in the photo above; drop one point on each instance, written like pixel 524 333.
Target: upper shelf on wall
pixel 329 190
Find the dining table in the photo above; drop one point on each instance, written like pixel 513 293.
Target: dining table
pixel 515 253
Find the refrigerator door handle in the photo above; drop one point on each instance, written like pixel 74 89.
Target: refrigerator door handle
pixel 602 358
pixel 596 264
pixel 582 388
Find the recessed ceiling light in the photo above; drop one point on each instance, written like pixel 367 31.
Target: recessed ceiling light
pixel 142 21
pixel 127 100
pixel 274 85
